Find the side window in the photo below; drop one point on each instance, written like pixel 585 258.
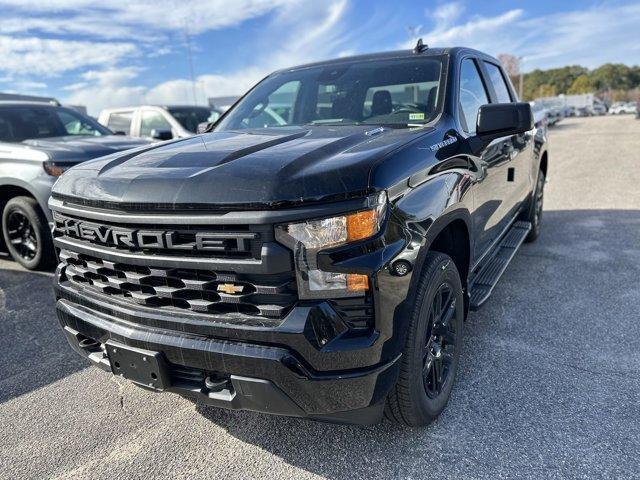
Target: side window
pixel 152 120
pixel 120 121
pixel 472 95
pixel 275 110
pixel 499 85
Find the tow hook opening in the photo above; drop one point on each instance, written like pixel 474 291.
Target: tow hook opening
pixel 88 344
pixel 217 383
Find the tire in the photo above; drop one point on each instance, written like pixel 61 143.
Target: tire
pixel 535 210
pixel 26 235
pixel 415 400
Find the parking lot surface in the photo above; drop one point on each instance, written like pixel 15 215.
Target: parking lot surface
pixel 549 384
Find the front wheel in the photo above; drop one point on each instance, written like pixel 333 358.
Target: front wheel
pixel 431 353
pixel 26 235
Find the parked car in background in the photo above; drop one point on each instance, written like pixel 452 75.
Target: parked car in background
pixel 157 122
pixel 540 113
pixel 38 142
pixel 581 112
pixel 554 115
pixel 623 107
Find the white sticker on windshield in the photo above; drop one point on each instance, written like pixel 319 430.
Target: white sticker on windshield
pixel 416 116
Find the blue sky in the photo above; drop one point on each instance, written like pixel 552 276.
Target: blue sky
pixel 105 54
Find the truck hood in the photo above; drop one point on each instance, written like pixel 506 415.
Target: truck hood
pixel 73 148
pixel 258 168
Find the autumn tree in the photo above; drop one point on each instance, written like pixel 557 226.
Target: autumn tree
pixel 582 84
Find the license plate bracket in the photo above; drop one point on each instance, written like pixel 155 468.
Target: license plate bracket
pixel 141 366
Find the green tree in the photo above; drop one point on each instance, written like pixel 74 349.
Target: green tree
pixel 582 84
pixel 614 76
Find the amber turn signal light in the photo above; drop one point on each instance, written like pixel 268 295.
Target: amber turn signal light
pixel 362 225
pixel 357 283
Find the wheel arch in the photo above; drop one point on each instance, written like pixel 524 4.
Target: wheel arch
pixel 449 234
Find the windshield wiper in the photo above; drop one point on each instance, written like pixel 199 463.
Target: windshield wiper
pixel 332 123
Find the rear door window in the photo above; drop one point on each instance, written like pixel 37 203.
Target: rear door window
pixel 498 83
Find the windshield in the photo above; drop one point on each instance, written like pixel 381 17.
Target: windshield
pixel 398 93
pixel 190 117
pixel 18 123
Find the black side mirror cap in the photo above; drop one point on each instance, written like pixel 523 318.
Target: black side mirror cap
pixel 497 120
pixel 161 134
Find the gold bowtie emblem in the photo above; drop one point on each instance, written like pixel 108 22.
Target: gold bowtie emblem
pixel 230 288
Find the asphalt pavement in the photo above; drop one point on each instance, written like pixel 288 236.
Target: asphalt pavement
pixel 549 385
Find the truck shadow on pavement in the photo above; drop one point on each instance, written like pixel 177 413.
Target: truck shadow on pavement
pixel 550 366
pixel 33 350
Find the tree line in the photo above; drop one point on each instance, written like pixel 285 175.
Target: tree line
pixel 611 81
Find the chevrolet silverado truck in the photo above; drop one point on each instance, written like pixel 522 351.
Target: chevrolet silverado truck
pixel 320 268
pixel 38 142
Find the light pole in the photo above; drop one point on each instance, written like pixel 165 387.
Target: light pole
pixel 521 86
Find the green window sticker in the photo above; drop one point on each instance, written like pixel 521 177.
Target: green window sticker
pixel 416 116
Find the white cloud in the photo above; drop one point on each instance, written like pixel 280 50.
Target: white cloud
pixel 110 77
pixel 313 31
pixel 74 87
pixel 479 32
pixel 36 56
pixel 125 19
pixel 28 86
pixel 590 37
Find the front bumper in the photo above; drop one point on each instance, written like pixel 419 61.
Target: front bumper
pixel 321 360
pixel 270 379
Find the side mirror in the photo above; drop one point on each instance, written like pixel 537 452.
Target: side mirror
pixel 497 120
pixel 202 127
pixel 161 134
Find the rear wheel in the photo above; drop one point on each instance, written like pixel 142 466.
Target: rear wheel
pixel 431 354
pixel 25 233
pixel 535 211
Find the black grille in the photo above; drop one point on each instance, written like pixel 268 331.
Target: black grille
pixel 182 289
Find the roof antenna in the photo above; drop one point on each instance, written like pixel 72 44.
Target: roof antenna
pixel 420 47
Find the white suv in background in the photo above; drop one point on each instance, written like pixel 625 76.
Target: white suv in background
pixel 157 122
pixel 623 107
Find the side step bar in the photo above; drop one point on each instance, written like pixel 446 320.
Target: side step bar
pixel 488 275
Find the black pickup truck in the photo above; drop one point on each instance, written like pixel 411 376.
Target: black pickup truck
pixel 316 251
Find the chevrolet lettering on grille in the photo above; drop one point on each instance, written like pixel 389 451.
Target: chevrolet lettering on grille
pixel 157 239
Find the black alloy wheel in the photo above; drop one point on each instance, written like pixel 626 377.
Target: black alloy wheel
pixel 26 233
pixel 440 345
pixel 536 207
pixel 539 199
pixel 431 353
pixel 22 236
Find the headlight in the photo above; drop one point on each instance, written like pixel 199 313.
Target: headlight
pixel 307 238
pixel 53 169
